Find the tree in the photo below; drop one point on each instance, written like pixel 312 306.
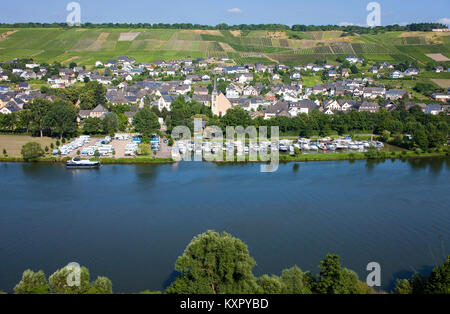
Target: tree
pixel 236 117
pixel 58 281
pixel 32 283
pixel 39 109
pixel 439 280
pixel 102 285
pixel 146 122
pixel 111 123
pixel 61 119
pixel 31 151
pixel 269 285
pixel 333 279
pixel 93 126
pixel 403 286
pixel 295 281
pixel 421 139
pixel 215 263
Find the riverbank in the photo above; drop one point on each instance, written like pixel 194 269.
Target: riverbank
pixel 345 156
pixel 104 161
pixel 282 158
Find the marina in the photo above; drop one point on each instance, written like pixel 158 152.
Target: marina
pixel 241 148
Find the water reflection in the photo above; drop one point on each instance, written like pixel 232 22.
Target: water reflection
pixel 295 167
pixel 436 165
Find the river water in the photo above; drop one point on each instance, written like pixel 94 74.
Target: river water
pixel 131 222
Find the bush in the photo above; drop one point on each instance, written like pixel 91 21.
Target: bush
pixel 5 154
pixel 31 151
pixel 418 151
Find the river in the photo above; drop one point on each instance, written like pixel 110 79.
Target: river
pixel 131 222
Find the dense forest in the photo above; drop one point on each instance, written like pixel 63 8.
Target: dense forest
pixel 214 263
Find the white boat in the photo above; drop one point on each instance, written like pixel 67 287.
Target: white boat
pixel 77 163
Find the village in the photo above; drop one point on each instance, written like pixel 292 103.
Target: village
pixel 263 91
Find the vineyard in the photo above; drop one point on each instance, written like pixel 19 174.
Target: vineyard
pixel 85 46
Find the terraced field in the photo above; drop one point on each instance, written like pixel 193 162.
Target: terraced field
pixel 85 46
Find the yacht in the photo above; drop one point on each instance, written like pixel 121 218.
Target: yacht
pixel 77 163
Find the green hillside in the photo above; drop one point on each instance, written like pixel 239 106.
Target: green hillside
pixel 85 46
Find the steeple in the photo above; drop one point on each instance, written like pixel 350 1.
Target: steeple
pixel 214 92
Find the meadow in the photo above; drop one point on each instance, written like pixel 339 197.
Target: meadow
pixel 85 46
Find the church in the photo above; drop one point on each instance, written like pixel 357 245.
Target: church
pixel 219 103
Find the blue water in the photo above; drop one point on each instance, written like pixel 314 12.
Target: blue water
pixel 131 222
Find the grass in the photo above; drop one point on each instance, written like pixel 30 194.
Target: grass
pixel 13 143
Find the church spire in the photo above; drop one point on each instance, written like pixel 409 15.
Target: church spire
pixel 214 92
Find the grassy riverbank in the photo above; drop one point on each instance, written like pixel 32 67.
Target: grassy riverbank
pixel 104 161
pixel 282 157
pixel 346 156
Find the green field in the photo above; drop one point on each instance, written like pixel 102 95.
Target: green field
pixel 85 46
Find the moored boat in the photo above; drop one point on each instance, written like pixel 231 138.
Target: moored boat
pixel 77 163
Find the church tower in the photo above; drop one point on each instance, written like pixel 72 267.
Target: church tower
pixel 219 103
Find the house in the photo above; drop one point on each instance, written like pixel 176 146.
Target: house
pixel 332 105
pixel 279 109
pixel 394 94
pixel 439 69
pixel 32 65
pixel 441 97
pixel 203 99
pixel 111 63
pixel 303 106
pixel 165 101
pixel 4 76
pixel 396 74
pixel 244 78
pixel 368 106
pixel 98 64
pixel 24 86
pixel 373 70
pixel 411 71
pixel 200 91
pixel 250 91
pixel 346 104
pixel 233 91
pixel 295 76
pixel 98 112
pixel 345 72
pixel 332 74
pixel 10 107
pixel 28 75
pixel 182 89
pixel 352 59
pixel 433 109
